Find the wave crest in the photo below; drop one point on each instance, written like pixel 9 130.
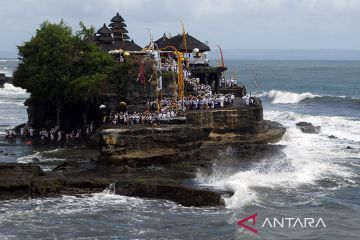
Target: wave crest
pixel 278 96
pixel 10 90
pixel 284 97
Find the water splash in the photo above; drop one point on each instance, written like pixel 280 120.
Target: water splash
pixel 289 97
pixel 110 190
pixel 307 161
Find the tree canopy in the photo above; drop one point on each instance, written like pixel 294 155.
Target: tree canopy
pixel 58 65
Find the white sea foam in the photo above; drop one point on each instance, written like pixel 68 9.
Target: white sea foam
pixel 308 158
pixel 9 60
pixel 278 96
pixel 341 127
pixel 11 90
pixel 40 157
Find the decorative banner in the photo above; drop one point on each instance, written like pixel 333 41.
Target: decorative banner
pixel 222 56
pixel 184 35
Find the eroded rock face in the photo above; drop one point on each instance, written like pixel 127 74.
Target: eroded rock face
pixel 71 178
pixel 142 145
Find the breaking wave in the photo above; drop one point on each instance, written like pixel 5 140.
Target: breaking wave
pixel 284 97
pixel 307 161
pixel 10 90
pixel 278 96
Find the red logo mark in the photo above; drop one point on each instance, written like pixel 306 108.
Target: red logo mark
pixel 243 221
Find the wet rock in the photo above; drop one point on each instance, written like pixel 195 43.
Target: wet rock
pixel 186 196
pixel 16 179
pixel 332 137
pixel 4 79
pixel 348 147
pixel 66 165
pixel 306 127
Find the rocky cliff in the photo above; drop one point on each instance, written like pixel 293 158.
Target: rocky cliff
pixel 133 146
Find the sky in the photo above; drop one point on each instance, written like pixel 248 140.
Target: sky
pixel 242 24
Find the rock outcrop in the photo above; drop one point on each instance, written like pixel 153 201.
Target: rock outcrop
pixel 152 161
pixel 27 180
pixel 141 145
pixel 306 127
pixel 4 79
pixel 138 146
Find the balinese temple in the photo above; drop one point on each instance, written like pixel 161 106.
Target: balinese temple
pixel 104 36
pixel 198 63
pixel 178 42
pixel 115 37
pixel 160 42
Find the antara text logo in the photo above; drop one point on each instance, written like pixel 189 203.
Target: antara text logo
pixel 249 223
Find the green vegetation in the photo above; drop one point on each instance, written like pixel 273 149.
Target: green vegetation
pixel 58 65
pixel 68 71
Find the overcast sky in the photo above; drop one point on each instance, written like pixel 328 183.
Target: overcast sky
pixel 246 24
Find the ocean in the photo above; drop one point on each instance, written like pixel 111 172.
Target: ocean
pixel 303 176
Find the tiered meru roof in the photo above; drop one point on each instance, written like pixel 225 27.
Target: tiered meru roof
pixel 116 37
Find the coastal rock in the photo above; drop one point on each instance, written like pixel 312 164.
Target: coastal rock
pixel 306 127
pixel 332 137
pixel 4 79
pixel 70 178
pixel 243 119
pixel 137 146
pixel 185 196
pixel 143 145
pixel 349 148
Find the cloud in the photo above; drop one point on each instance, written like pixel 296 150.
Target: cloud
pixel 231 23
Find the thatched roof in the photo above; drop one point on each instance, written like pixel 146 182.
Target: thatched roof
pixel 116 37
pixel 191 43
pixel 117 19
pixel 104 39
pixel 161 41
pixel 119 30
pixel 117 24
pixel 121 36
pixel 105 31
pixel 124 45
pixel 131 46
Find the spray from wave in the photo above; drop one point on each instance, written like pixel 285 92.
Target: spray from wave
pixel 284 97
pixel 289 97
pixel 308 160
pixel 10 89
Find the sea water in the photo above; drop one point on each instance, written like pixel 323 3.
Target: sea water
pixel 302 176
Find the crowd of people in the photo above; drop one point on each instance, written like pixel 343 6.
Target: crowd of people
pixel 228 82
pixel 169 108
pixel 200 97
pixel 169 64
pixel 53 135
pixel 147 117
